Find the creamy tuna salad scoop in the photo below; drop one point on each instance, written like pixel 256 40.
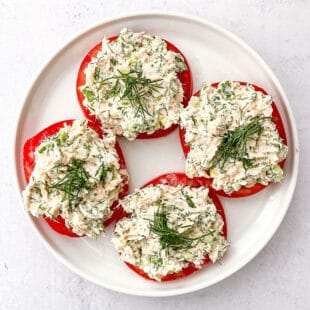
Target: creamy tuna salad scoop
pixel 233 133
pixel 132 84
pixel 75 176
pixel 171 232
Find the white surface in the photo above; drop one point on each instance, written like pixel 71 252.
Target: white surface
pixel 251 221
pixel 32 279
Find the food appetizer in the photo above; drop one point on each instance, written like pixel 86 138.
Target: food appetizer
pixel 174 227
pixel 75 177
pixel 134 85
pixel 232 133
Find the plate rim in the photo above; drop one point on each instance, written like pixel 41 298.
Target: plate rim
pixel 228 34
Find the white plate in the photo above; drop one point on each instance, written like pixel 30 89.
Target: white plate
pixel 213 54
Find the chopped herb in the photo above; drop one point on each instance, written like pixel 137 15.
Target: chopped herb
pixel 97 73
pixel 61 137
pixel 37 189
pixel 189 201
pixel 113 61
pixel 180 63
pixel 233 145
pixel 42 149
pixel 170 238
pixel 89 94
pixel 75 180
pixel 156 260
pixel 226 89
pixel 159 203
pixel 132 86
pixel 254 96
pixel 102 172
pixel 42 208
pixel 178 58
pixel 87 146
pixel 193 120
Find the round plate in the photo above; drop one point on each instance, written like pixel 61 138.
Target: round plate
pixel 213 54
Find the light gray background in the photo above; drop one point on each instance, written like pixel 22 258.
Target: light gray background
pixel 30 278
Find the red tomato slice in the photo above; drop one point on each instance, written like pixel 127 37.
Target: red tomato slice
pixel 177 179
pixel 29 162
pixel 185 77
pixel 245 191
pixel 58 224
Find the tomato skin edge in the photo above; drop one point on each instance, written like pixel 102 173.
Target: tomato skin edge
pixel 176 179
pixel 29 162
pixel 185 77
pixel 244 191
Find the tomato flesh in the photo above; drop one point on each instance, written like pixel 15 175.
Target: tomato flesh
pixel 185 77
pixel 29 162
pixel 175 179
pixel 244 191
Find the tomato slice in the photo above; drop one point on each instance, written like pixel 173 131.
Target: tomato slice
pixel 29 162
pixel 185 77
pixel 175 179
pixel 244 191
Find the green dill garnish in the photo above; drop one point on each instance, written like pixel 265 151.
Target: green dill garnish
pixel 180 63
pixel 48 145
pixel 42 149
pixel 156 260
pixel 42 208
pixel 37 189
pixel 97 73
pixel 193 120
pixel 159 203
pixel 89 94
pixel 122 46
pixel 87 146
pixel 178 58
pixel 61 137
pixel 227 89
pixel 102 172
pixel 189 201
pixel 113 61
pixel 75 180
pixel 132 86
pixel 254 96
pixel 234 143
pixel 170 238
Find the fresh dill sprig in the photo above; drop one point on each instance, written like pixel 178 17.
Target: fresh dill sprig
pixel 102 172
pixel 75 180
pixel 132 86
pixel 226 89
pixel 233 145
pixel 189 200
pixel 170 238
